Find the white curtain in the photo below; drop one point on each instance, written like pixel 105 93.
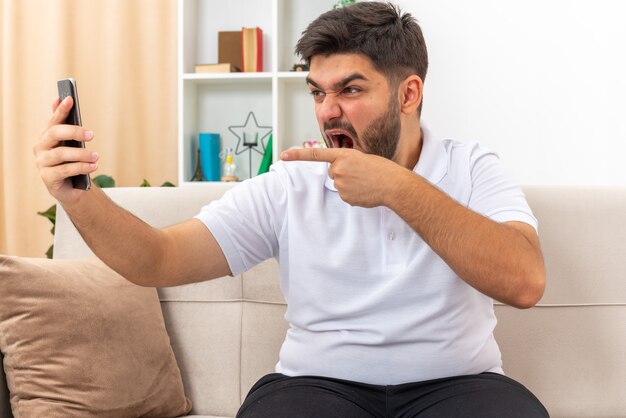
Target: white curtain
pixel 123 55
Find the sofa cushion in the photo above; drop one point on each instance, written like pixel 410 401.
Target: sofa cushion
pixel 80 340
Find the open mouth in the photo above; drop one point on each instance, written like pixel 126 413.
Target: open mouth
pixel 340 138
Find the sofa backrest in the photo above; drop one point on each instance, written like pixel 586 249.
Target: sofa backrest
pixel 569 350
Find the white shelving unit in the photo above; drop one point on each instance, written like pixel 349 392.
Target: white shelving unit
pixel 213 102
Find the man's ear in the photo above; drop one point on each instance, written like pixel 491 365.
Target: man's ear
pixel 410 93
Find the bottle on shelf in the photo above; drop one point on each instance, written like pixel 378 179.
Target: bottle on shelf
pixel 230 168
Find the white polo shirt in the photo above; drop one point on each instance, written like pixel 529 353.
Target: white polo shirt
pixel 368 300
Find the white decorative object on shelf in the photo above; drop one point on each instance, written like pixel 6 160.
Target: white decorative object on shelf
pixel 230 168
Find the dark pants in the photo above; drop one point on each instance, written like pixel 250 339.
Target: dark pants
pixel 487 395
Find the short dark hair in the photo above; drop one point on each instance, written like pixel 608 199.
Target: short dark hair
pixel 391 39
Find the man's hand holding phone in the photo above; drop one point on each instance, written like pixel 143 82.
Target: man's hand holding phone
pixel 57 162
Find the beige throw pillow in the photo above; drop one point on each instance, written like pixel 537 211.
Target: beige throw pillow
pixel 81 341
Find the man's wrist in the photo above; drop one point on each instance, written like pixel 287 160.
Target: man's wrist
pixel 399 185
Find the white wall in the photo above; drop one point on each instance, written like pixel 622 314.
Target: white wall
pixel 543 82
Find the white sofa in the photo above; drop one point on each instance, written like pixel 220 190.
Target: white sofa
pixel 570 350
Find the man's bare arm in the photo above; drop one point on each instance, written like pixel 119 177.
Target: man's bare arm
pixel 501 260
pixel 148 256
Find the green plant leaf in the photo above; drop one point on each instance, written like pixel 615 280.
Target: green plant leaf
pixel 104 181
pixel 168 184
pixel 343 3
pixel 50 214
pixel 145 183
pixel 49 252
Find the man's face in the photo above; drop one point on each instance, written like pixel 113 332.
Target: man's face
pixel 353 104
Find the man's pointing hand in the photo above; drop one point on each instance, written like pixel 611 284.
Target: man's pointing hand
pixel 361 179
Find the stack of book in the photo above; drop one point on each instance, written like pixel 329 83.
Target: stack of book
pixel 237 51
pixel 224 67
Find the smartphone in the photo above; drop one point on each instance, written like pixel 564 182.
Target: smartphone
pixel 67 87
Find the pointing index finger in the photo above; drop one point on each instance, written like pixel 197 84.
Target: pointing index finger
pixel 311 154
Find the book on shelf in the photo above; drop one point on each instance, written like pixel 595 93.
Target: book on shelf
pixel 229 48
pixel 252 49
pixel 222 67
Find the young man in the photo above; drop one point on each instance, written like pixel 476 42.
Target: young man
pixel 392 244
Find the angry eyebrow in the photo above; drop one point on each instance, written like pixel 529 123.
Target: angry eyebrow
pixel 341 83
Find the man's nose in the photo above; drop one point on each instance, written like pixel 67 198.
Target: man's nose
pixel 329 109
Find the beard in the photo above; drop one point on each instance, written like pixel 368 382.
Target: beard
pixel 380 137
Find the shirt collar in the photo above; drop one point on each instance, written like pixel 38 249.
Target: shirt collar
pixel 329 183
pixel 433 160
pixel 432 163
